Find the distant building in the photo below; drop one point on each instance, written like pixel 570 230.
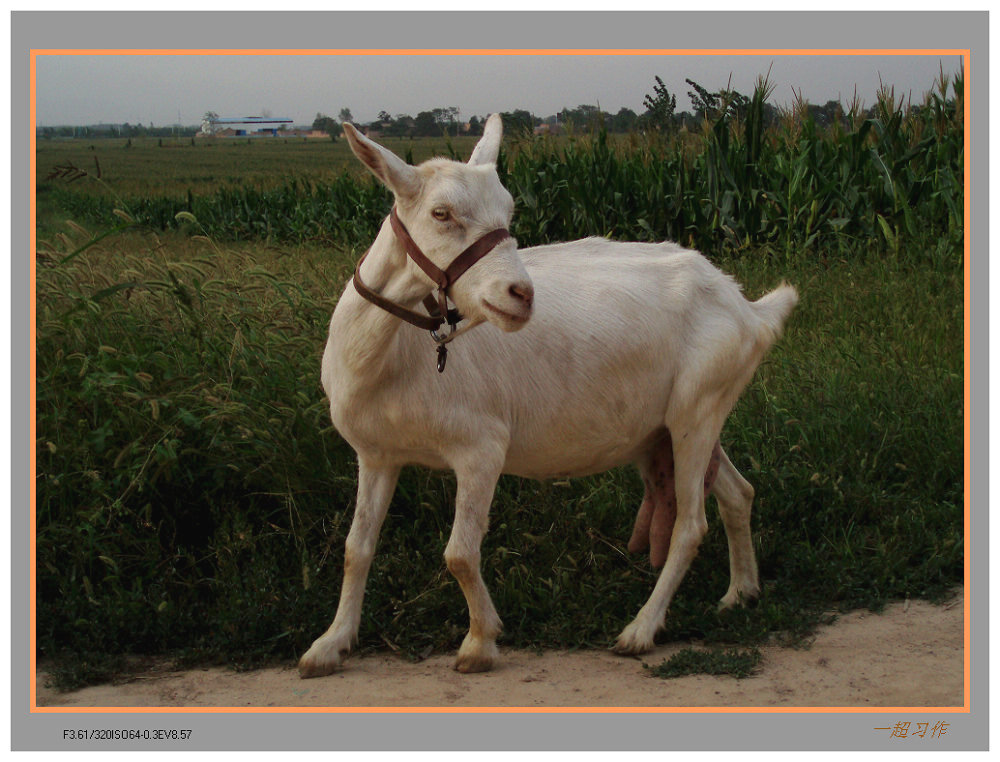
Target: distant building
pixel 293 133
pixel 244 126
pixel 549 129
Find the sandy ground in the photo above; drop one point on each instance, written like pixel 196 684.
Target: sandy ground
pixel 910 655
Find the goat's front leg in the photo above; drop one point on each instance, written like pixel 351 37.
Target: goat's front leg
pixel 476 486
pixel 376 484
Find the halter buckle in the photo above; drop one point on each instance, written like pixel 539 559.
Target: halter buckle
pixel 443 339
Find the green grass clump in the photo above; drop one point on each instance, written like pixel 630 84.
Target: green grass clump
pixel 179 410
pixel 732 662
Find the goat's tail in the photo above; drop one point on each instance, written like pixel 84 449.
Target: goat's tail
pixel 774 308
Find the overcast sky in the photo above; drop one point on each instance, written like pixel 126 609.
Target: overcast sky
pixel 164 90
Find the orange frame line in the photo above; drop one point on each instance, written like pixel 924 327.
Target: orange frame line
pixel 966 58
pixel 32 428
pixel 967 406
pixel 493 710
pixel 498 52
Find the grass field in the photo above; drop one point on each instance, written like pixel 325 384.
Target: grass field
pixel 193 498
pixel 151 166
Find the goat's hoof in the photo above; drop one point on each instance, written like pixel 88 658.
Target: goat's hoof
pixel 477 656
pixel 736 597
pixel 470 664
pixel 634 640
pixel 313 669
pixel 321 660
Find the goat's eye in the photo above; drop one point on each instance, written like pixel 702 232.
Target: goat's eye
pixel 442 214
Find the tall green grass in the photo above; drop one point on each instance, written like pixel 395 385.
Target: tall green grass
pixel 194 499
pixel 336 212
pixel 291 189
pixel 788 189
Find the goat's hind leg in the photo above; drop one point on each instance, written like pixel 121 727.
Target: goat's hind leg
pixel 375 487
pixel 694 439
pixel 735 497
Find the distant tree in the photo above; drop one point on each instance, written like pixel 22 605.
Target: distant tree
pixel 345 115
pixel 590 116
pixel 583 117
pixel 706 104
pixel 737 104
pixel 134 130
pixel 320 122
pixel 383 123
pixel 475 125
pixel 426 124
pixel 712 106
pixel 832 113
pixel 402 125
pixel 327 124
pixel 624 121
pixel 518 121
pixel 207 123
pixel 660 108
pixel 447 115
pixel 445 119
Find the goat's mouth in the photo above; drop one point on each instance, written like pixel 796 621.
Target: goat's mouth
pixel 511 319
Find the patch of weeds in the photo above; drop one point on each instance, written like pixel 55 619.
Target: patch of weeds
pixel 734 662
pixel 69 671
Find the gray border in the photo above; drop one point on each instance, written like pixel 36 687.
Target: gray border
pixel 445 731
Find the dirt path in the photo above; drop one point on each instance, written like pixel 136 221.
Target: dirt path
pixel 911 655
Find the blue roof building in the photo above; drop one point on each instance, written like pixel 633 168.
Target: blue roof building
pixel 265 125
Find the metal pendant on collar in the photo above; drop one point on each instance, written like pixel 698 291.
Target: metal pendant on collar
pixel 442 341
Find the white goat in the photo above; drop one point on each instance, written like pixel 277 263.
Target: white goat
pixel 626 343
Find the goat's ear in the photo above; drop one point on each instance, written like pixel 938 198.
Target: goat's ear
pixel 396 174
pixel 488 147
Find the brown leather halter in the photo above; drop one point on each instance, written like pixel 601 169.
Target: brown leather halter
pixel 439 314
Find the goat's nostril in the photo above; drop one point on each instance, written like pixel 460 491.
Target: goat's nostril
pixel 523 292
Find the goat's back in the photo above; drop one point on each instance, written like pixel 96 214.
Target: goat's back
pixel 646 294
pixel 617 327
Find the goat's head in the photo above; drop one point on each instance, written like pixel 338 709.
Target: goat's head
pixel 446 206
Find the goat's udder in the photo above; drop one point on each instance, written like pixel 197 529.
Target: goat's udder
pixel 654 523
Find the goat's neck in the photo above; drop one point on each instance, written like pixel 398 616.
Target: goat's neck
pixel 371 332
pixel 387 270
